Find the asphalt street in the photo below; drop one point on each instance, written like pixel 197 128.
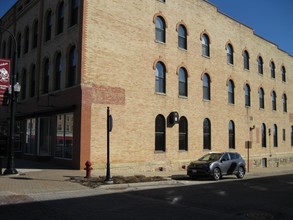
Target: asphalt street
pixel 253 198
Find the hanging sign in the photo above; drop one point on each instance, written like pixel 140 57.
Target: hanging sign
pixel 4 81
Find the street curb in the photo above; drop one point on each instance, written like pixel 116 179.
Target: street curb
pixel 142 184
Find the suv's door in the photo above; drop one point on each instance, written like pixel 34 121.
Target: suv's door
pixel 225 163
pixel 233 161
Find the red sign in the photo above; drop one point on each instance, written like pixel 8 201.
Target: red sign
pixel 4 81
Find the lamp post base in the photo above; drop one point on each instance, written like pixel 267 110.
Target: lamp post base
pixel 108 180
pixel 10 171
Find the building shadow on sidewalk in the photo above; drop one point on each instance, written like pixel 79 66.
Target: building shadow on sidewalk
pixel 28 164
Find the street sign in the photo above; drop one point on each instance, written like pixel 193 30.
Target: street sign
pixel 248 144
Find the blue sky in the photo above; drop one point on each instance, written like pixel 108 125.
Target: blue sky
pixel 5 5
pixel 271 19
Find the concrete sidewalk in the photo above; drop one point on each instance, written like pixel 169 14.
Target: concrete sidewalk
pixel 38 182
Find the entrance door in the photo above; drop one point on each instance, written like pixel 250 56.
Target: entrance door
pixel 44 136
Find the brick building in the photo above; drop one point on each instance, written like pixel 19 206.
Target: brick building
pixel 181 79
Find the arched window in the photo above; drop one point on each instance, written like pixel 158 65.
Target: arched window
pixel 57 72
pixel 230 51
pixel 160 133
pixel 260 65
pixel 283 74
pixel 231 86
pixel 231 135
pixel 160 77
pixel 160 29
pixel 182 82
pixel 284 98
pixel 206 134
pixel 71 77
pixel 26 40
pixel 205 45
pixel 48 26
pixel 3 49
pixel 206 89
pixel 60 18
pixel 183 134
pixel 246 60
pixel 35 34
pixel 23 84
pixel 9 49
pixel 274 101
pixel 275 135
pixel 247 95
pixel 18 45
pixel 73 12
pixel 32 81
pixel 46 76
pixel 261 99
pixel 272 67
pixel 182 37
pixel 263 135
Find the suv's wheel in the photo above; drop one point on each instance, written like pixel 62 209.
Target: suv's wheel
pixel 240 173
pixel 217 174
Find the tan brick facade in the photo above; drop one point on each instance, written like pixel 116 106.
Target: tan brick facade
pixel 117 57
pixel 122 53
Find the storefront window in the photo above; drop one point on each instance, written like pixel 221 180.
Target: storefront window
pixel 30 139
pixel 64 136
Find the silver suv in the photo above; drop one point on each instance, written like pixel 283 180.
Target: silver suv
pixel 217 165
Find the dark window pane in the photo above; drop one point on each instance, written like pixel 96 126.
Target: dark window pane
pixel 207 134
pixel 246 60
pixel 205 46
pixel 182 37
pixel 206 87
pixel 160 29
pixel 272 70
pixel 182 82
pixel 48 26
pixel 231 135
pixel 263 136
pixel 160 130
pixel 183 134
pixel 275 135
pixel 230 54
pixel 160 78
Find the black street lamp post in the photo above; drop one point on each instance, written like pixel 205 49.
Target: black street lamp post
pixel 109 129
pixel 15 89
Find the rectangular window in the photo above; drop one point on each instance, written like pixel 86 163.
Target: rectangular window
pixel 284 135
pixel 64 136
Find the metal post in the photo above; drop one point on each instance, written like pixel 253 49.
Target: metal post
pixel 109 127
pixel 10 169
pixel 248 157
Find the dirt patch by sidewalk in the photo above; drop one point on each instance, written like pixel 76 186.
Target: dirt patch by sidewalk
pixel 94 182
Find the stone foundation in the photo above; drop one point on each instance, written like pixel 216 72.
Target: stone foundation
pixel 272 162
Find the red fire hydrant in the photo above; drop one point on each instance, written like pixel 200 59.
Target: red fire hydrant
pixel 88 169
